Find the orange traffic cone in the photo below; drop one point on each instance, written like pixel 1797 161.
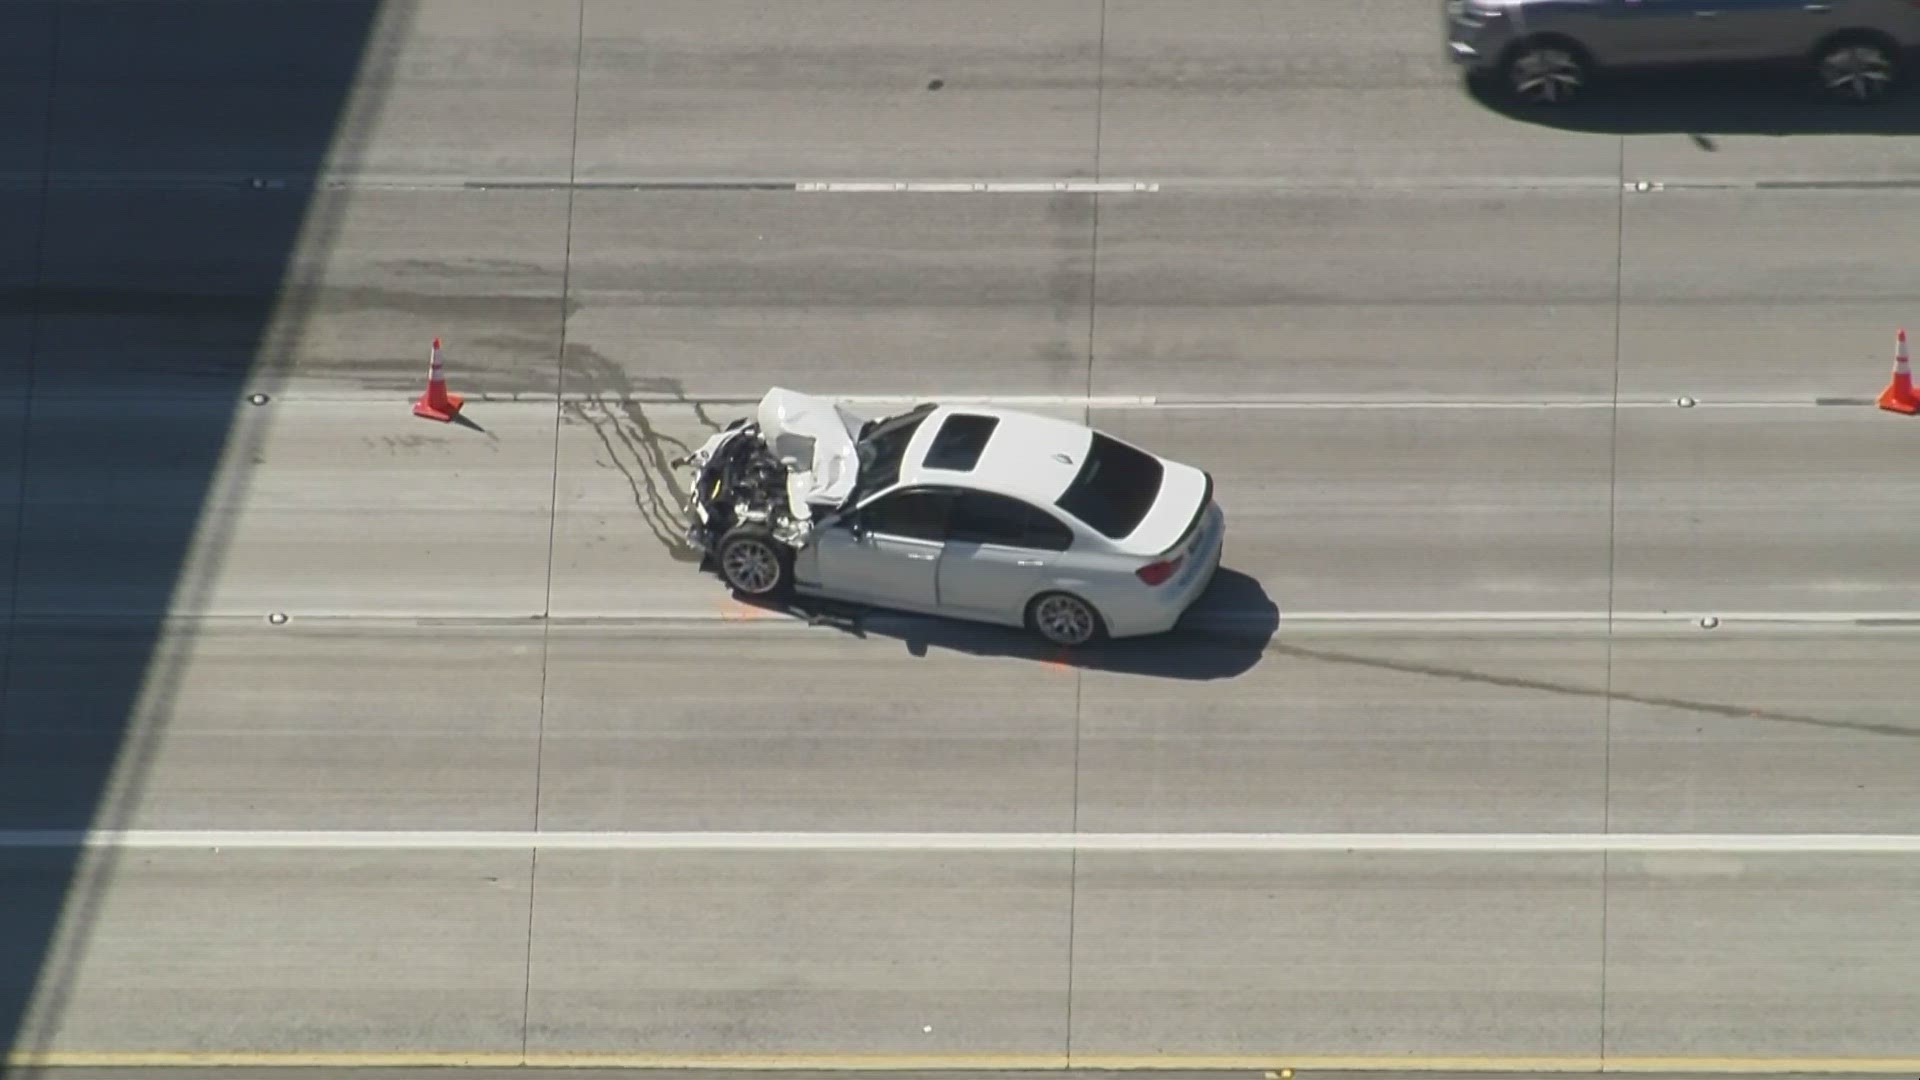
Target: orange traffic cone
pixel 436 403
pixel 1898 396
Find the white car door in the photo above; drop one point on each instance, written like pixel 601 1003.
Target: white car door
pixel 887 553
pixel 999 550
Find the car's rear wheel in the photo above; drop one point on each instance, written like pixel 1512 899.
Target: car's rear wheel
pixel 1856 69
pixel 1545 73
pixel 753 563
pixel 1065 619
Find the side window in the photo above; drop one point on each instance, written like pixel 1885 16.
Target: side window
pixel 1046 532
pixel 917 515
pixel 981 518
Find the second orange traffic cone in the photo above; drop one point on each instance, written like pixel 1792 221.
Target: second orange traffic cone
pixel 1898 396
pixel 436 403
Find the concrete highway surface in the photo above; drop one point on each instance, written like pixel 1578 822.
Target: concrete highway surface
pixel 1559 520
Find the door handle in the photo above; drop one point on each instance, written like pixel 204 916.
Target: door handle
pixel 919 558
pixel 1030 562
pixel 1819 7
pixel 1706 14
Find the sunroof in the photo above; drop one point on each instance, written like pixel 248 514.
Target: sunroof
pixel 959 442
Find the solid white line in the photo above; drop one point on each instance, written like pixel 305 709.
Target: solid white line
pixel 281 397
pixel 1165 403
pixel 1598 616
pixel 1466 843
pixel 1322 405
pixel 1463 184
pixel 743 399
pixel 723 611
pixel 986 187
pixel 1518 404
pixel 1471 616
pixel 1724 617
pixel 1107 401
pixel 341 179
pixel 1274 1063
pixel 1303 404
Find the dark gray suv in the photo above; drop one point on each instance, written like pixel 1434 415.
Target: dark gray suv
pixel 1544 52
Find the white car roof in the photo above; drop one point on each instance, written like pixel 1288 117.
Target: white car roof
pixel 1027 456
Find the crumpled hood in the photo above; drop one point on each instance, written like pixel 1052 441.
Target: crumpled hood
pixel 814 438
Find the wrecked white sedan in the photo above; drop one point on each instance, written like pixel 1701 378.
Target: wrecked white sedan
pixel 984 514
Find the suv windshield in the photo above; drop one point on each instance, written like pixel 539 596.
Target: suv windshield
pixel 1115 488
pixel 881 451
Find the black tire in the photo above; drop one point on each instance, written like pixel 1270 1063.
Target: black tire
pixel 1066 620
pixel 1545 73
pixel 753 563
pixel 1859 69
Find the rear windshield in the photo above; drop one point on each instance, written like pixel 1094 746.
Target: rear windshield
pixel 1115 488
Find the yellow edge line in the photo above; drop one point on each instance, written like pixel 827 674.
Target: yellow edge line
pixel 956 1061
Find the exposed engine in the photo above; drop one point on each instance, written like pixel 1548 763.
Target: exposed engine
pixel 760 487
pixel 738 480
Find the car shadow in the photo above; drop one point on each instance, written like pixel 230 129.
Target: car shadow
pixel 1222 636
pixel 1705 103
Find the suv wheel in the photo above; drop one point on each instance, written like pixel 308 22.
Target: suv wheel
pixel 1545 74
pixel 753 562
pixel 1856 70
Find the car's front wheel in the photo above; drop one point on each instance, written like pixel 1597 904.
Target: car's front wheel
pixel 1545 73
pixel 1065 619
pixel 753 562
pixel 1856 69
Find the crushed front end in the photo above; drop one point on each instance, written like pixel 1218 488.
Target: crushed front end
pixel 737 481
pixel 794 460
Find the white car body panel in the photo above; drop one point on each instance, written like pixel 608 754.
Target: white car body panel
pixel 1030 458
pixel 889 571
pixel 1034 459
pixel 814 438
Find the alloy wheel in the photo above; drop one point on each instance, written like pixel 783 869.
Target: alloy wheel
pixel 1546 76
pixel 752 567
pixel 1064 620
pixel 1856 72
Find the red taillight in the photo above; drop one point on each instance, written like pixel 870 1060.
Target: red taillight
pixel 1158 572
